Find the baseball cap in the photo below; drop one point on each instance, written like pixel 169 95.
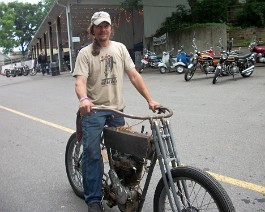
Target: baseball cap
pixel 99 17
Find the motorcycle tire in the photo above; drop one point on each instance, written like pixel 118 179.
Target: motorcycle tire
pixel 180 69
pixel 216 75
pixel 33 72
pixel 73 165
pixel 141 70
pixel 189 73
pixel 162 70
pixel 249 64
pixel 26 71
pixel 205 192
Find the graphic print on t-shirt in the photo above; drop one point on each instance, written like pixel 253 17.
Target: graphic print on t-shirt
pixel 110 77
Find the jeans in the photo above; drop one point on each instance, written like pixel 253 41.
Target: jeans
pixel 92 127
pixel 43 68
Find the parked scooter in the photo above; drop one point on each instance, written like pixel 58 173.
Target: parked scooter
pixel 150 60
pixel 183 61
pixel 258 50
pixel 168 62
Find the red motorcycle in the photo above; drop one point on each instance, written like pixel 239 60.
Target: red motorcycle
pixel 258 50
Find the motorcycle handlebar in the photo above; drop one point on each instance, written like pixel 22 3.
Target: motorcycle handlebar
pixel 162 112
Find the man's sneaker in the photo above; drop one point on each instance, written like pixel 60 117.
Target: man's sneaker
pixel 95 207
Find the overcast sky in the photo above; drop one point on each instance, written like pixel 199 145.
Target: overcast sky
pixel 24 1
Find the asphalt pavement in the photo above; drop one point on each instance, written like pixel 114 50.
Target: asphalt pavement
pixel 218 128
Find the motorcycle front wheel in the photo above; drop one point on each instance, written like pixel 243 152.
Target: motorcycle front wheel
pixel 216 75
pixel 203 192
pixel 33 72
pixel 180 69
pixel 73 155
pixel 189 73
pixel 162 70
pixel 141 70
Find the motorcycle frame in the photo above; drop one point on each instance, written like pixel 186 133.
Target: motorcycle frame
pixel 166 153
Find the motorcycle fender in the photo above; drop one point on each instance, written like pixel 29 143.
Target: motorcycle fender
pixel 179 64
pixel 144 61
pixel 162 65
pixel 190 65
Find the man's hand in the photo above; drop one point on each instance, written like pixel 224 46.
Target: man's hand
pixel 153 104
pixel 85 106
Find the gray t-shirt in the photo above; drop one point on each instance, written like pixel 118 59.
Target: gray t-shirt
pixel 105 73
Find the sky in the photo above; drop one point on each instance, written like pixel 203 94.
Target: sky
pixel 23 1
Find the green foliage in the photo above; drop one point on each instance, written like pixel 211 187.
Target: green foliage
pixel 178 20
pixel 201 11
pixel 7 18
pixel 131 4
pixel 19 22
pixel 253 14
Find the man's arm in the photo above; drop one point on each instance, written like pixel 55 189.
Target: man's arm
pixel 141 87
pixel 81 92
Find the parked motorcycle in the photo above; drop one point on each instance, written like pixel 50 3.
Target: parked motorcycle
pixel 207 60
pixel 183 60
pixel 150 60
pixel 129 160
pixel 233 64
pixel 168 62
pixel 258 50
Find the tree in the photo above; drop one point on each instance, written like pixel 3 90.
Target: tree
pixel 19 22
pixel 253 14
pixel 7 18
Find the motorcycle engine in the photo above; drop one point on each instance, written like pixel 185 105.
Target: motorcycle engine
pixel 260 57
pixel 234 69
pixel 128 168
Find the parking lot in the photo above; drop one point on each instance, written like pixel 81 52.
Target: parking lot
pixel 218 128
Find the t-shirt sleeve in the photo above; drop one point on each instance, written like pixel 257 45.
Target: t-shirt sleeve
pixel 81 65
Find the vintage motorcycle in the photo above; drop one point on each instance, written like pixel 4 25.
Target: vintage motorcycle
pixel 129 160
pixel 232 63
pixel 258 50
pixel 207 60
pixel 150 60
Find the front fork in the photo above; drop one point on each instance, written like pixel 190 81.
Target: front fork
pixel 167 154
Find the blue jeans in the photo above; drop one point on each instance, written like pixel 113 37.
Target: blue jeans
pixel 92 127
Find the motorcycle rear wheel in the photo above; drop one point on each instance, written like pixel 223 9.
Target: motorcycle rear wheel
pixel 180 69
pixel 205 193
pixel 73 165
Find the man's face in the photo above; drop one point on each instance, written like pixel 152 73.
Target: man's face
pixel 102 31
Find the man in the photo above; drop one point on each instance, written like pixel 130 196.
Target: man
pixel 42 60
pixel 99 72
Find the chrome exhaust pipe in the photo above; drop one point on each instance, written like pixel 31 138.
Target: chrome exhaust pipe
pixel 248 69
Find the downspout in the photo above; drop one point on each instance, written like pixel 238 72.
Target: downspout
pixel 70 43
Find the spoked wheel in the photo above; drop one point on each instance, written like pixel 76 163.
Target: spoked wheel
pixel 203 192
pixel 189 73
pixel 26 71
pixel 73 155
pixel 216 75
pixel 180 69
pixel 33 72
